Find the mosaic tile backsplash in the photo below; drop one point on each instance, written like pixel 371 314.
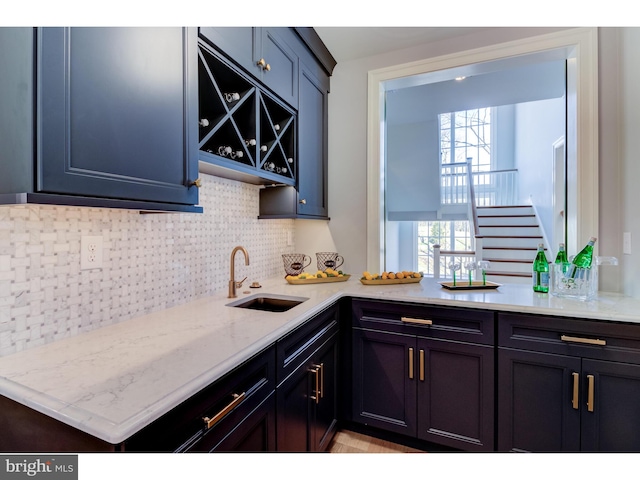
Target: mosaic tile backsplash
pixel 150 262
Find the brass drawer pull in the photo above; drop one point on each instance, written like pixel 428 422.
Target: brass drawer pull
pixel 316 372
pixel 421 365
pixel 590 393
pixel 576 390
pixel 237 399
pixel 419 321
pixel 319 372
pixel 589 341
pixel 411 363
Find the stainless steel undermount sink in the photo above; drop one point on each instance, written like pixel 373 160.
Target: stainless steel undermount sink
pixel 268 303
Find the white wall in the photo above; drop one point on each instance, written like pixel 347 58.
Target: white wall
pixel 537 126
pixel 630 148
pixel 348 142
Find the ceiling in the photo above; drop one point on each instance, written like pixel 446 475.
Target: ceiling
pixel 349 43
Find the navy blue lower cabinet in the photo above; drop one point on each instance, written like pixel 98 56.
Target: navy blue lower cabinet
pixel 308 392
pixel 455 394
pixel 567 385
pixel 611 419
pixel 424 372
pixel 536 411
pixel 384 386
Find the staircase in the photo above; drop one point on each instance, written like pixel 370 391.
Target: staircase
pixel 510 238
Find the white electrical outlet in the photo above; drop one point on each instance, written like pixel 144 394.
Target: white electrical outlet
pixel 90 252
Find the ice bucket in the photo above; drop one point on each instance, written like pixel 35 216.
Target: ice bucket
pixel 582 284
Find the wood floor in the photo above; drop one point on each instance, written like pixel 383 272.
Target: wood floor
pixel 346 441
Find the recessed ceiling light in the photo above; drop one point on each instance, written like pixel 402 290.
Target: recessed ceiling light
pixel 460 78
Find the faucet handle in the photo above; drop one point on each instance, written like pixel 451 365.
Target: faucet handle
pixel 239 284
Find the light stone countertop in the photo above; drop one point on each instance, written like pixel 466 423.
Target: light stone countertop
pixel 114 381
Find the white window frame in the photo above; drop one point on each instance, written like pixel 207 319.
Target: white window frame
pixel 582 62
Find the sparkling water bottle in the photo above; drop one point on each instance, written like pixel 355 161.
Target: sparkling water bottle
pixel 561 258
pixel 582 260
pixel 541 271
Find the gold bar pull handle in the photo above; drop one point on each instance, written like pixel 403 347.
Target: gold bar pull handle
pixel 590 392
pixel 316 372
pixel 411 363
pixel 419 321
pixel 588 341
pixel 319 379
pixel 237 399
pixel 576 390
pixel 421 365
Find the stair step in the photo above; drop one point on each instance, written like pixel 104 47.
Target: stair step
pixel 504 241
pixel 513 231
pixel 507 254
pixel 503 220
pixel 508 210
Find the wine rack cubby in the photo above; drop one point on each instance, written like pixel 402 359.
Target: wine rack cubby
pixel 241 126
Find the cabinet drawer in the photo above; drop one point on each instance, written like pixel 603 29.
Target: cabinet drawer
pixel 225 403
pixel 577 337
pixel 461 324
pixel 295 348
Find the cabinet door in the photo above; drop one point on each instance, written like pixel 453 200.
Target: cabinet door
pixel 312 145
pixel 281 76
pixel 455 394
pixel 538 402
pixel 235 42
pixel 294 410
pixel 609 406
pixel 116 113
pixel 255 433
pixel 384 387
pixel 325 404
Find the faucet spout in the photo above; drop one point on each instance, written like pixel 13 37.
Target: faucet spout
pixel 232 281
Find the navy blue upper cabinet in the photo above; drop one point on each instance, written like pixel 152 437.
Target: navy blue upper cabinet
pixel 278 62
pixel 101 117
pixel 267 53
pixel 114 108
pixel 235 42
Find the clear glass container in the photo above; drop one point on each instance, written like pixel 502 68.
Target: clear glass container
pixel 583 285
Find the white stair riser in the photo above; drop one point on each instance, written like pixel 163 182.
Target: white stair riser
pixel 511 242
pixel 490 221
pixel 510 267
pixel 505 211
pixel 509 279
pixel 511 231
pixel 510 254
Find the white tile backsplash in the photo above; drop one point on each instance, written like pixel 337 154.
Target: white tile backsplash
pixel 150 261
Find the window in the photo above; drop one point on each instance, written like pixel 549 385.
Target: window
pixel 463 135
pixel 451 235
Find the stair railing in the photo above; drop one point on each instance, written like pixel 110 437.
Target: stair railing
pixel 454 256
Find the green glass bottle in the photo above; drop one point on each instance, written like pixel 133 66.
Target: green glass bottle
pixel 561 258
pixel 582 259
pixel 541 271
